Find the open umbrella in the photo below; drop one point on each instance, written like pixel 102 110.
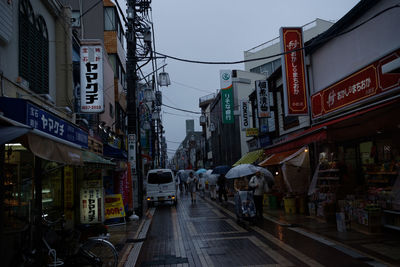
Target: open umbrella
pixel 222 169
pixel 241 170
pixel 200 171
pixel 266 173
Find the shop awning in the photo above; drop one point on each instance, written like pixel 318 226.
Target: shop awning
pixel 112 152
pixel 250 157
pixel 90 158
pixel 9 133
pixel 54 151
pixel 278 158
pixel 318 133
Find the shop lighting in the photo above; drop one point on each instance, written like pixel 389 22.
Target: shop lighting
pixel 306 150
pixel 276 173
pixel 15 144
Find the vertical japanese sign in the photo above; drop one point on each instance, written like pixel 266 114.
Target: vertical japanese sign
pixel 262 99
pixel 69 192
pixel 92 100
pixel 226 96
pixel 92 207
pixel 244 112
pixel 293 72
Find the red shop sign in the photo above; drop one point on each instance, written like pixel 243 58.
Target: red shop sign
pixel 294 81
pixel 366 83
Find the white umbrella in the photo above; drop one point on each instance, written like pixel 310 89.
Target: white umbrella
pixel 241 170
pixel 211 178
pixel 266 173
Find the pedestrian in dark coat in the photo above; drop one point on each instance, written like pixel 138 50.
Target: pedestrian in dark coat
pixel 222 187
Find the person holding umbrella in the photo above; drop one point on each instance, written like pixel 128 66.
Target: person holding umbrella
pixel 257 182
pixel 192 186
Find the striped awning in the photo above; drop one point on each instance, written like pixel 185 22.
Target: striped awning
pixel 250 157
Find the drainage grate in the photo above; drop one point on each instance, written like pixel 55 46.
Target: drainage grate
pixel 166 260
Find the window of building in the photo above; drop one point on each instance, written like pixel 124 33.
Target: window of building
pixel 33 49
pixel 112 23
pixel 110 19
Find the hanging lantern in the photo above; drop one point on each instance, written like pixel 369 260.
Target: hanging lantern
pixel 148 95
pixel 163 79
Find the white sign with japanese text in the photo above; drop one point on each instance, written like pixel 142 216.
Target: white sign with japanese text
pixel 92 94
pixel 262 99
pixel 244 113
pixel 92 205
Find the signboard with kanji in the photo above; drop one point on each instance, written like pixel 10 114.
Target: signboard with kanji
pixel 262 99
pixel 293 72
pixel 91 205
pixel 370 82
pixel 92 98
pixel 227 96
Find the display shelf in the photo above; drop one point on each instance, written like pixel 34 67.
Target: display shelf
pixel 392 226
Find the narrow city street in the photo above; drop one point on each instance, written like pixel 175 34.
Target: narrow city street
pixel 206 234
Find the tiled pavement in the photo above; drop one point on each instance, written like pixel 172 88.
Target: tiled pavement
pixel 206 234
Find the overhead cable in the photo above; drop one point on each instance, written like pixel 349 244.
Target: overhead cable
pixel 279 54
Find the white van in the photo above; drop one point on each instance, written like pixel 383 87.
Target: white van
pixel 161 186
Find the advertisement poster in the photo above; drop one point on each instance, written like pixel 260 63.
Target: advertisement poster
pixel 293 72
pixel 91 205
pixel 114 206
pixel 125 188
pixel 227 96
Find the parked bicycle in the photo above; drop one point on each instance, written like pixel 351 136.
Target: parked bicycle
pixel 61 247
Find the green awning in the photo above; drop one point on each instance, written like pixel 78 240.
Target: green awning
pixel 90 158
pixel 250 157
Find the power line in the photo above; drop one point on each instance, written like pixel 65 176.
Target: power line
pixel 192 87
pixel 180 115
pixel 279 54
pixel 184 110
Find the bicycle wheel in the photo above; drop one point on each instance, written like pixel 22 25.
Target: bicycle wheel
pixel 104 250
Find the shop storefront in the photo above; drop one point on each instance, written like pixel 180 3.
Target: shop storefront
pixel 358 171
pixel 39 153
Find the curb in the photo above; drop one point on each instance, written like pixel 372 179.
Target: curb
pixel 140 236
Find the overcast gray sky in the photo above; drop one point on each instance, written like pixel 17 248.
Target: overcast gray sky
pixel 219 30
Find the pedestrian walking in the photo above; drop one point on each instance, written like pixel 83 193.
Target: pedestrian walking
pixel 201 184
pixel 192 186
pixel 222 187
pixel 257 182
pixel 212 183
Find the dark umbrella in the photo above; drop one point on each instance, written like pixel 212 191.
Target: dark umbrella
pixel 222 169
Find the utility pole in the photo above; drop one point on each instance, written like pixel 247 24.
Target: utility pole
pixel 134 31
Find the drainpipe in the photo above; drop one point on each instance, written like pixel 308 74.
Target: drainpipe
pixel 2 83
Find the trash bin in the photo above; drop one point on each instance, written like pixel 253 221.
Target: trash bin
pixel 290 205
pixel 272 202
pixel 301 204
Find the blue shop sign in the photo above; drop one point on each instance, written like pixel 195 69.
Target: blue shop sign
pixel 28 113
